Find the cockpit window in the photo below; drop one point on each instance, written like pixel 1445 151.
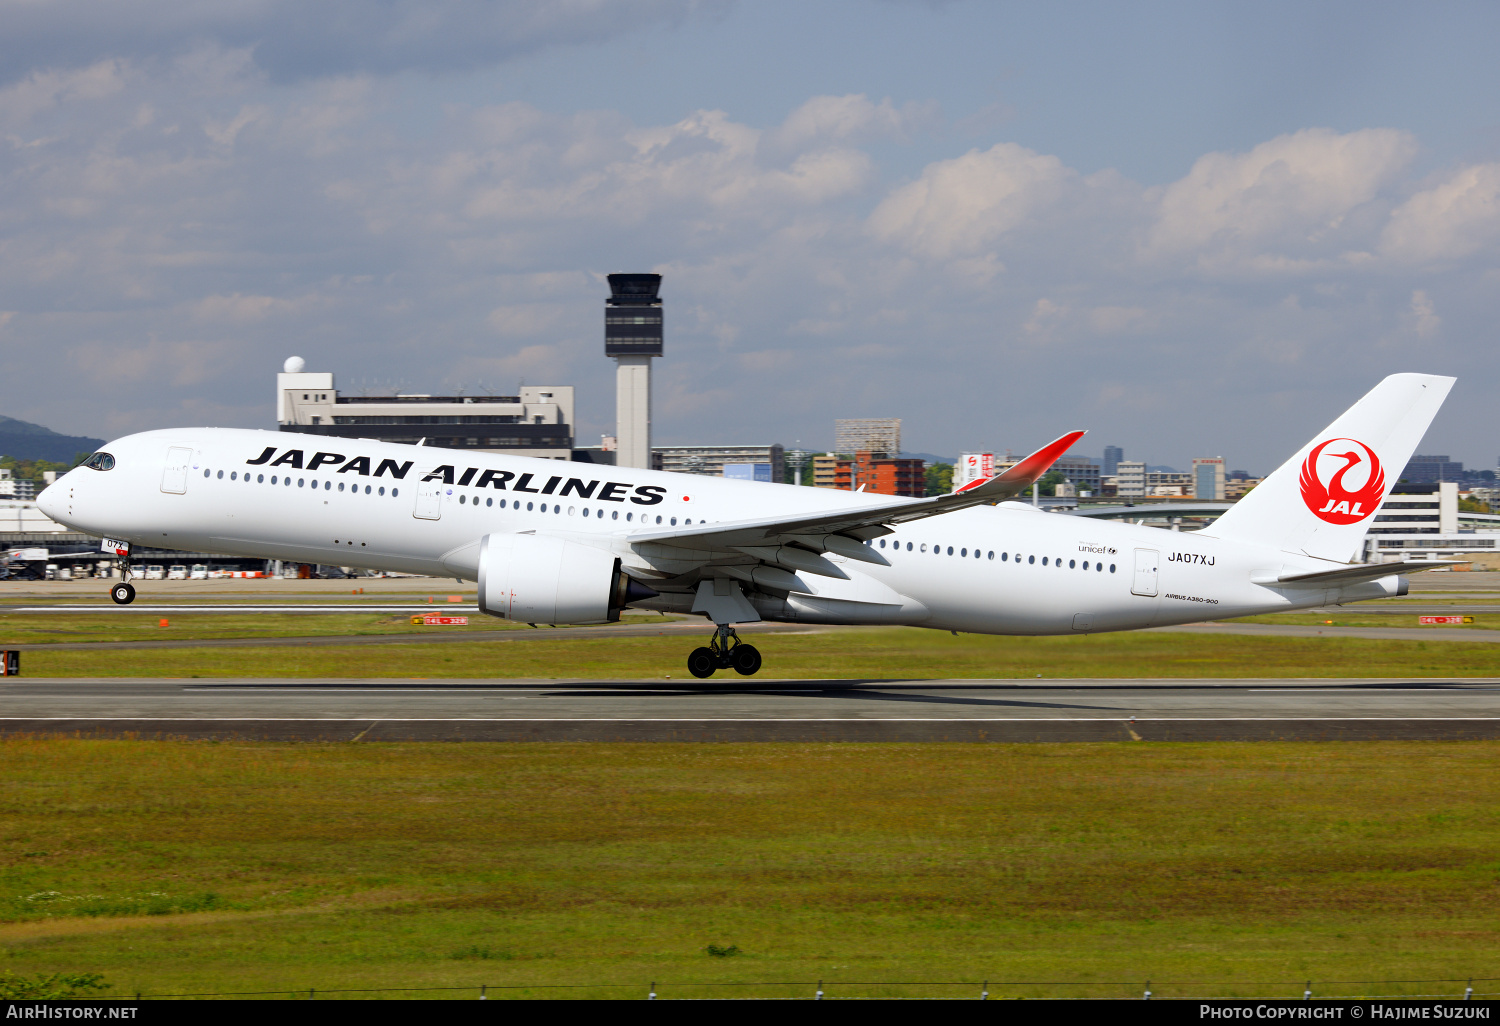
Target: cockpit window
pixel 100 461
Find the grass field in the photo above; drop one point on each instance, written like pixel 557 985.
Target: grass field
pixel 189 867
pixel 859 653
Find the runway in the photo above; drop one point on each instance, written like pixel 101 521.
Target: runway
pixel 760 710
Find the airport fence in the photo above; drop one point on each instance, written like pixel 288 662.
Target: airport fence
pixel 1468 989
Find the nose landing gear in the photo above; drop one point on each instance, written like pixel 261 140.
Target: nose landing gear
pixel 124 592
pixel 724 652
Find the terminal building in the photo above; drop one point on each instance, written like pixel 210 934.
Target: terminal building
pixel 538 422
pixel 1423 521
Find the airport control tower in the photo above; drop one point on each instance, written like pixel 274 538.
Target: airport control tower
pixel 633 336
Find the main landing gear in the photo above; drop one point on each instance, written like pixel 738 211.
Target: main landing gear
pixel 725 651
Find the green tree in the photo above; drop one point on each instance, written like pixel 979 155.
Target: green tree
pixel 30 470
pixel 939 478
pixel 1049 483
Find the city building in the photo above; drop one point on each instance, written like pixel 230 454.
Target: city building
pixel 1168 483
pixel 825 470
pixel 12 487
pixel 1113 454
pixel 1208 478
pixel 867 435
pixel 1130 479
pixel 633 337
pixel 724 461
pixel 1084 472
pixel 538 422
pixel 1238 484
pixel 1427 469
pixel 876 472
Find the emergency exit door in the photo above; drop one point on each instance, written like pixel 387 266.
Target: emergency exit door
pixel 429 500
pixel 174 476
pixel 1146 561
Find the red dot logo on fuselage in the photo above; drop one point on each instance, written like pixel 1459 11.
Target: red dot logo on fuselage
pixel 1342 482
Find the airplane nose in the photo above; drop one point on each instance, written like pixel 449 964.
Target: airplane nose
pixel 50 501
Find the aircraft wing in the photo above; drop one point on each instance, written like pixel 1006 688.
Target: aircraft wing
pixel 844 531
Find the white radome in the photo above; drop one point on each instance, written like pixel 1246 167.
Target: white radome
pixel 293 365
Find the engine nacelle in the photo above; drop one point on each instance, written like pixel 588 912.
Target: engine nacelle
pixel 547 580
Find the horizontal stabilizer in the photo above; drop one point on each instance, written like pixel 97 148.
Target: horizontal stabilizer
pixel 1355 574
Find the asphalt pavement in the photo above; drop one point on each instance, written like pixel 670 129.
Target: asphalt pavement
pixel 728 708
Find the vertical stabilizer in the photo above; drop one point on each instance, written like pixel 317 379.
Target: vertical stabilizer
pixel 1321 501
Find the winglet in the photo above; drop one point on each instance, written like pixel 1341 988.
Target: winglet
pixel 1025 473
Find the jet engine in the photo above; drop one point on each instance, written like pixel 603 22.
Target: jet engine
pixel 547 580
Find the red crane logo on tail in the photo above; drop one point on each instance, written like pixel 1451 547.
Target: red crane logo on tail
pixel 1342 482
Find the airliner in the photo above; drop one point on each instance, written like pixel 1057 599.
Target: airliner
pixel 552 542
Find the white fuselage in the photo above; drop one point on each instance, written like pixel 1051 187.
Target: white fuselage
pixel 1005 569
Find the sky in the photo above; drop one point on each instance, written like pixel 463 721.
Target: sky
pixel 1194 229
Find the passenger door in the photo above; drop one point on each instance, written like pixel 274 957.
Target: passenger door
pixel 174 477
pixel 429 500
pixel 1146 561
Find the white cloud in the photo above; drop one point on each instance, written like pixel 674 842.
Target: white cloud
pixel 963 206
pixel 1450 221
pixel 1424 313
pixel 1281 204
pixel 850 119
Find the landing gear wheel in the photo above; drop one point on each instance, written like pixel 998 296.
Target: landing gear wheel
pixel 123 593
pixel 702 663
pixel 746 659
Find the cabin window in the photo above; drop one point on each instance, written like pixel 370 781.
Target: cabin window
pixel 1044 561
pixel 395 492
pixel 300 480
pixel 273 478
pixel 488 503
pixel 341 486
pixel 992 553
pixel 924 546
pixel 462 499
pixel 1111 568
pixel 1071 565
pixel 234 475
pixel 963 552
pixel 221 475
pixel 528 507
pixel 1085 564
pixel 1030 559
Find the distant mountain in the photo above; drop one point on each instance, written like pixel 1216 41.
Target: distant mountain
pixel 26 441
pixel 929 457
